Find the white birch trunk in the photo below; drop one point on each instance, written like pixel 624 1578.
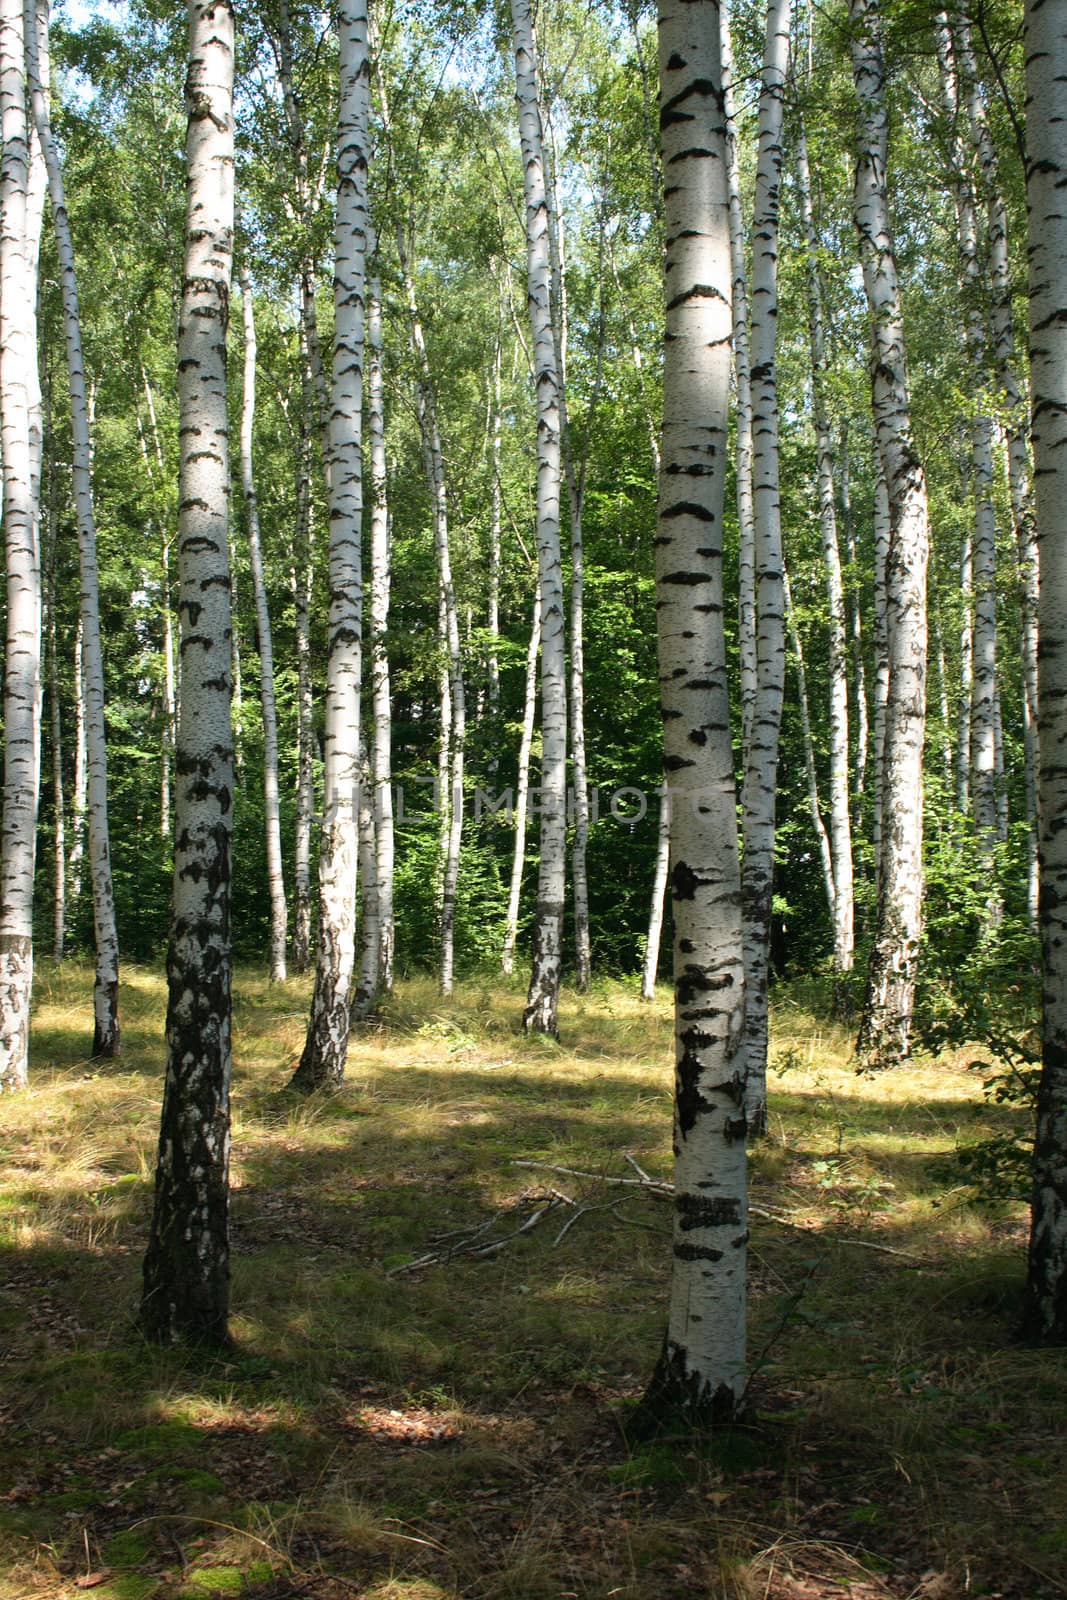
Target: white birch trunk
pixel 659 893
pixel 522 789
pixel 542 1003
pixel 1045 1315
pixel 19 389
pixel 106 1033
pixel 59 851
pixel 1002 320
pixel 368 983
pixel 855 639
pixel 302 580
pixel 983 688
pixel 842 909
pixel 881 659
pixel 381 704
pixel 963 710
pixel 186 1268
pixel 271 800
pixel 761 755
pixel 76 860
pixel 701 1372
pixel 746 512
pixel 326 1047
pixel 886 1024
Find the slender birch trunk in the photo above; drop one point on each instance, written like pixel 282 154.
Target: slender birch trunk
pixel 170 697
pixel 368 983
pixel 522 790
pixel 574 474
pixel 59 850
pixel 542 1002
pixel 76 859
pixel 381 703
pixel 106 1032
pixel 881 659
pixel 1016 422
pixel 701 1372
pixel 855 637
pixel 1045 1312
pixel 840 820
pixel 453 735
pixel 659 893
pixel 746 512
pixel 186 1268
pixel 492 603
pixel 271 801
pixel 22 675
pixel 761 755
pixel 302 579
pixel 963 710
pixel 821 837
pixel 325 1049
pixel 982 739
pixel 886 1024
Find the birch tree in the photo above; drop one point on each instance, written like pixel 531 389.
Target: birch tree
pixel 22 674
pixel 889 1000
pixel 326 1045
pixel 106 1033
pixel 542 1003
pixel 1045 1314
pixel 186 1268
pixel 381 705
pixel 271 800
pixel 701 1371
pixel 761 752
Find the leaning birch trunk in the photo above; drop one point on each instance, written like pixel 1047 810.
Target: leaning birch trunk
pixel 889 1001
pixel 761 754
pixel 746 512
pixel 106 1034
pixel 855 639
pixel 542 1002
pixel 381 703
pixel 22 675
pixel 326 1047
pixel 659 892
pixel 1045 1312
pixel 522 792
pixel 842 908
pixel 271 802
pixel 186 1268
pixel 701 1371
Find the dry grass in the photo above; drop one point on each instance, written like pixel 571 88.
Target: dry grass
pixel 454 1434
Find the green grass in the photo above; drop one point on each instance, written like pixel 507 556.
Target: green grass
pixel 454 1433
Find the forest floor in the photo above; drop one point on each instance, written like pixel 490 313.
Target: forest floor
pixel 454 1432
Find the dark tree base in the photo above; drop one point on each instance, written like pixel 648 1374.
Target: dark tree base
pixel 676 1403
